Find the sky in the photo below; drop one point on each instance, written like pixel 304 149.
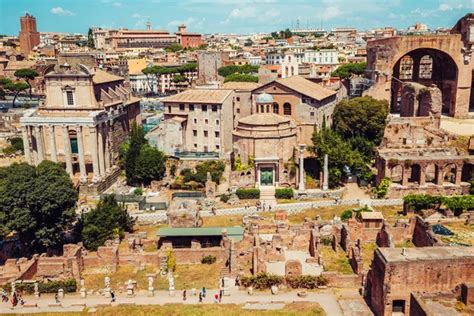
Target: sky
pixel 230 16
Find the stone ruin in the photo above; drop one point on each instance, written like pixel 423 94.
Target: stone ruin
pixel 184 213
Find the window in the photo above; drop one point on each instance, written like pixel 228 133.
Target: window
pixel 195 120
pixel 238 110
pixel 276 108
pixel 217 134
pixel 406 68
pixel 217 122
pixel 206 121
pixel 70 97
pixel 238 99
pixel 74 147
pixel 169 108
pixel 426 67
pixel 204 107
pixel 205 133
pixel 191 107
pixel 311 114
pixel 195 132
pixel 218 147
pixel 214 108
pixel 195 145
pixel 287 109
pixel 181 107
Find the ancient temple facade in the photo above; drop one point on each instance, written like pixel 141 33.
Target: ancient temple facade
pixel 81 124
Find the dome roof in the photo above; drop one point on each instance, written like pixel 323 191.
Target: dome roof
pixel 264 98
pixel 264 119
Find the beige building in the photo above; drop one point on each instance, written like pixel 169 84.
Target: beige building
pixel 82 122
pixel 206 119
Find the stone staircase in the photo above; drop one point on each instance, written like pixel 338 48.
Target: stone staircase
pixel 267 196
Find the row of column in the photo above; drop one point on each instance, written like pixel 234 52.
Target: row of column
pixel 439 172
pixel 98 142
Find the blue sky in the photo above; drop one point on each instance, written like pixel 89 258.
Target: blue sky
pixel 230 16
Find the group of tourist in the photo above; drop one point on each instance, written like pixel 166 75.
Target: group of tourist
pixel 202 295
pixel 15 299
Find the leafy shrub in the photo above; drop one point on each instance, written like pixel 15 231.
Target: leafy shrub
pixel 138 191
pixel 346 215
pixel 208 259
pixel 69 286
pixel 214 167
pixel 285 193
pixel 247 194
pixel 306 281
pixel 419 202
pixel 171 261
pixel 381 190
pixel 458 204
pixel 225 197
pixel 261 281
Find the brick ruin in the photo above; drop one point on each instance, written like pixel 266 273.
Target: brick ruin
pixel 416 155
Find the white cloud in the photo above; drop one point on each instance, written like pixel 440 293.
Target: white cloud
pixel 117 4
pixel 331 12
pixel 60 11
pixel 136 15
pixel 242 13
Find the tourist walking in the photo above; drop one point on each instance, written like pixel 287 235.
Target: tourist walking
pixel 237 281
pixel 14 299
pixel 203 291
pixel 221 292
pixel 112 295
pixel 200 297
pixel 184 295
pixel 216 298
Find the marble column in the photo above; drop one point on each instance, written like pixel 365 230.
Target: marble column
pixel 101 150
pixel 94 154
pixel 301 182
pixel 405 175
pixel 39 143
pixel 326 173
pixel 26 143
pixel 67 150
pixel 439 175
pixel 82 160
pixel 107 150
pixel 52 144
pixel 423 175
pixel 457 180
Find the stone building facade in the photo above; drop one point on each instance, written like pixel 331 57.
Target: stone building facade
pixel 396 273
pixel 442 60
pixel 81 124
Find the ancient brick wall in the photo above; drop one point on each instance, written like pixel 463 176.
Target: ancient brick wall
pixel 192 256
pixel 417 306
pixel 423 235
pixel 343 281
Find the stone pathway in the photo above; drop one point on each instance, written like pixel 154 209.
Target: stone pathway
pixel 72 303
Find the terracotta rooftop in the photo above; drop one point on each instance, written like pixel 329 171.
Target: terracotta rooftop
pixel 240 85
pixel 135 66
pixel 306 87
pixel 212 96
pixel 264 119
pixel 425 253
pixel 101 76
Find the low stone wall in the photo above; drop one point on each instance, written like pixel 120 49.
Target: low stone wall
pixel 342 280
pixel 192 256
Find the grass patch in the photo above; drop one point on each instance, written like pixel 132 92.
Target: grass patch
pixel 149 229
pixel 405 244
pixel 368 254
pixel 94 279
pixel 293 309
pixel 222 221
pixel 335 261
pixel 326 213
pixel 462 233
pixel 188 276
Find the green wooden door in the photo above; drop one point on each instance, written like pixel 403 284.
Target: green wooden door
pixel 266 176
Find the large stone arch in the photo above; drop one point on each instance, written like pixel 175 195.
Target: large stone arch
pixel 444 74
pixel 383 54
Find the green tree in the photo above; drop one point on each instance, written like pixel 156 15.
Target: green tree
pixel 103 222
pixel 365 117
pixel 347 70
pixel 14 87
pixel 241 78
pixel 16 144
pixel 38 203
pixel 150 165
pixel 179 78
pixel 26 74
pixel 90 39
pixel 174 48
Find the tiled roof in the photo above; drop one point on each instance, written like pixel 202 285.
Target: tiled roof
pixel 200 96
pixel 240 85
pixel 306 87
pixel 101 76
pixel 135 66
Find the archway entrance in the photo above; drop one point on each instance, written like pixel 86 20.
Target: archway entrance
pixel 426 66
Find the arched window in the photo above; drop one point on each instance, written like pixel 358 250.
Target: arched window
pixel 276 108
pixel 426 67
pixel 292 70
pixel 287 109
pixel 406 68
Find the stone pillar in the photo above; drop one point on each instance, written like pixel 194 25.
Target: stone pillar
pixel 26 143
pixel 457 180
pixel 52 144
pixel 423 175
pixel 439 175
pixel 94 154
pixel 405 176
pixel 101 150
pixel 326 173
pixel 67 150
pixel 82 161
pixel 107 150
pixel 301 182
pixel 39 144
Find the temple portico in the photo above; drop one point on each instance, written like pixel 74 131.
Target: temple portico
pixel 81 124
